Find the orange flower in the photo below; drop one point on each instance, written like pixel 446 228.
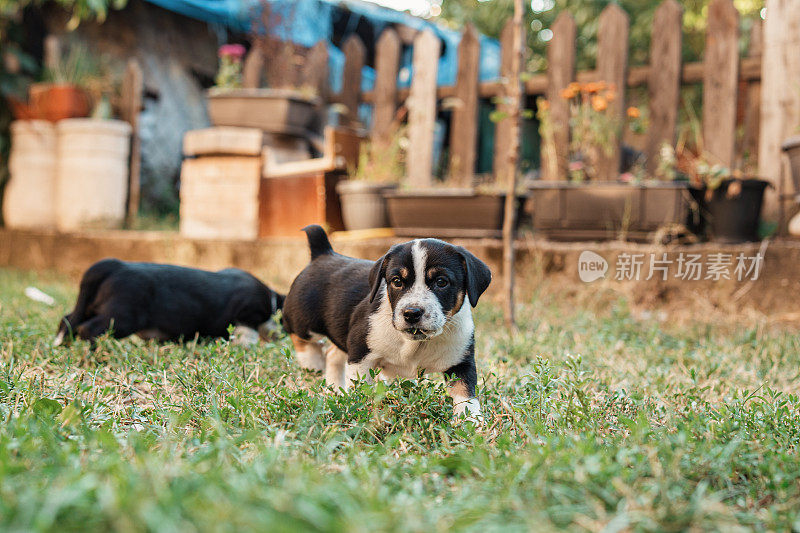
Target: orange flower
pixel 568 93
pixel 544 105
pixel 611 95
pixel 574 87
pixel 594 87
pixel 599 103
pixel 633 112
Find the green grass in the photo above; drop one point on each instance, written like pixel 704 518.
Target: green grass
pixel 594 421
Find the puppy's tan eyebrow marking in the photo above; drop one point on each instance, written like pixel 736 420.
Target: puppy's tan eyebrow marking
pixel 404 272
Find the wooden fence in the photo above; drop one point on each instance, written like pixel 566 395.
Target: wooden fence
pixel 730 89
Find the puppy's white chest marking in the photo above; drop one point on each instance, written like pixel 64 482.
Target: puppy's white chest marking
pixel 399 356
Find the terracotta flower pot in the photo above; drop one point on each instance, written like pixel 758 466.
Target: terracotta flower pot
pixel 21 110
pixel 58 102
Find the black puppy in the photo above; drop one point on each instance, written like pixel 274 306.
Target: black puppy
pixel 167 302
pixel 410 310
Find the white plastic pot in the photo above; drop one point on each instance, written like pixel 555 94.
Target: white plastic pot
pixel 29 201
pixel 92 173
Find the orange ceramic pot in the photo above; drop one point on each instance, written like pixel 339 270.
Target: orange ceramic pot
pixel 57 102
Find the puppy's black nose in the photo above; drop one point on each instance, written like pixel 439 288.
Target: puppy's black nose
pixel 412 314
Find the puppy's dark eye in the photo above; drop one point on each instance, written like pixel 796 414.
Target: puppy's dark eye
pixel 442 282
pixel 396 282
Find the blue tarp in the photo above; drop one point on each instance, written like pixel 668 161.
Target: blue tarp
pixel 309 21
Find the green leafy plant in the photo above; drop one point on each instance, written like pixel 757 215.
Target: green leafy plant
pixel 383 162
pixel 690 161
pixel 78 67
pixel 79 10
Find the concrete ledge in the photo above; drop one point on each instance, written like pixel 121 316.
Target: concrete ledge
pixel 277 261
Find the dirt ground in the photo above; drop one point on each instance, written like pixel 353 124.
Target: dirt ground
pixel 543 267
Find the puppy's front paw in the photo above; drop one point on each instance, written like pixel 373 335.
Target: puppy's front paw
pixel 244 336
pixel 470 410
pixel 59 340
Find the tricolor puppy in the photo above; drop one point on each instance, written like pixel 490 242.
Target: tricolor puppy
pixel 169 303
pixel 408 311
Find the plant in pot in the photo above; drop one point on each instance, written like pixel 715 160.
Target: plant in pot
pixel 62 94
pixel 283 107
pixel 448 209
pixel 632 207
pixel 730 201
pixel 377 172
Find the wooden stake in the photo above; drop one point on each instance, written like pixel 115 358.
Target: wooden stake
pixel 132 89
pixel 514 96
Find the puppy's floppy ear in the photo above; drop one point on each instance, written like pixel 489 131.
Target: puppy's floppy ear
pixel 478 276
pixel 376 275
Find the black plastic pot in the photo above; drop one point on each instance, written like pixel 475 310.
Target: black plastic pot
pixel 733 218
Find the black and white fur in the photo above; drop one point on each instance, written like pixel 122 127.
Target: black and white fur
pixel 408 311
pixel 169 303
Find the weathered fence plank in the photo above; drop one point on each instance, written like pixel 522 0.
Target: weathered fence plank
pixel 422 109
pixel 780 99
pixel 720 82
pixel 354 54
pixel 504 107
pixel 464 128
pixel 560 73
pixel 253 66
pixel 283 62
pixel 612 64
pixel 752 103
pixel 315 70
pixel 665 79
pixel 387 63
pixel 131 105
